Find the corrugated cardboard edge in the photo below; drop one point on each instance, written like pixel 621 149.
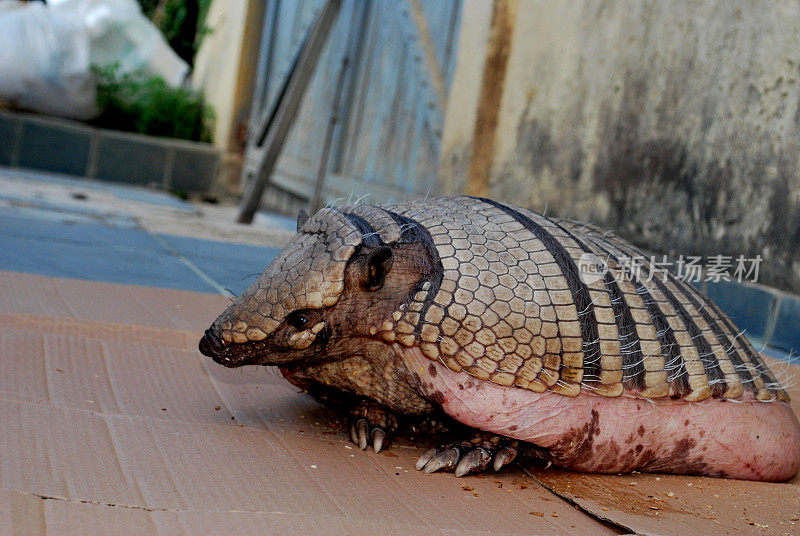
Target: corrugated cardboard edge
pixel 672 504
pixel 114 423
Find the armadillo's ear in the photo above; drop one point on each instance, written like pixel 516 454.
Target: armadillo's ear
pixel 302 218
pixel 379 261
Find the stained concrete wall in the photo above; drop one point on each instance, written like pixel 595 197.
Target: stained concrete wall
pixel 676 123
pixel 225 69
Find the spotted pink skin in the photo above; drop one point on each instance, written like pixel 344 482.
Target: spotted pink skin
pixel 750 440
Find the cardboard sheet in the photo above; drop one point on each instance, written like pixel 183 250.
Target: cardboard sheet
pixel 673 504
pixel 114 423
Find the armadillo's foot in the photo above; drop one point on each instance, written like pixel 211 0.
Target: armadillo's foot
pixel 372 423
pixel 470 456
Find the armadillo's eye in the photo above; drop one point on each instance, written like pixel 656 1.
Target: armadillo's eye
pixel 297 319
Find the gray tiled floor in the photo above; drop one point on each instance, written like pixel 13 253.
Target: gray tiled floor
pixel 47 237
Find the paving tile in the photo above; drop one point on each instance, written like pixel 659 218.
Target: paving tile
pixel 232 266
pixel 749 307
pixel 64 212
pixel 124 159
pixel 787 327
pixel 7 128
pixel 92 251
pixel 55 147
pixel 193 170
pixel 121 191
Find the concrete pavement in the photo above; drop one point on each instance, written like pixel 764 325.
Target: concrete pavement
pixel 65 227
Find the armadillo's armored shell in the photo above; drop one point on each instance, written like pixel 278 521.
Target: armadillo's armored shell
pixel 507 304
pixel 307 274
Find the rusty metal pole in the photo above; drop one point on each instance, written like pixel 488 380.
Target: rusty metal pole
pixel 274 129
pixel 504 15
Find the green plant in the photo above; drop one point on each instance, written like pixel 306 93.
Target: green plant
pixel 148 105
pixel 181 21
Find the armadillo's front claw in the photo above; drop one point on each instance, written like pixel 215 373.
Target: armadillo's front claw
pixel 353 433
pixel 476 459
pixel 446 459
pixel 504 456
pixel 425 458
pixel 363 427
pixel 378 437
pixel 372 424
pixel 361 431
pixel 467 457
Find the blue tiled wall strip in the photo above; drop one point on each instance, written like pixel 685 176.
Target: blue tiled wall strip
pixel 769 318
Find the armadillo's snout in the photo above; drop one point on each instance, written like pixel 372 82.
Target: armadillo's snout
pixel 211 346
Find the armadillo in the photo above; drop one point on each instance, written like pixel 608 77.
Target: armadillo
pixel 481 310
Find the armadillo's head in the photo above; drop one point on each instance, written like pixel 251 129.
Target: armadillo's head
pixel 332 282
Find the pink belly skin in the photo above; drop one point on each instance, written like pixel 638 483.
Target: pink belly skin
pixel 749 440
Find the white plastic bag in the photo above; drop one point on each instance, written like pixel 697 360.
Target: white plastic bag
pixel 120 33
pixel 45 61
pixel 47 52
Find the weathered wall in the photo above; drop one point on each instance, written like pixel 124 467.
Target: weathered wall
pixel 677 123
pixel 462 100
pixel 224 69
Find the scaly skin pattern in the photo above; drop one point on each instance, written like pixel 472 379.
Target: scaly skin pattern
pixel 479 309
